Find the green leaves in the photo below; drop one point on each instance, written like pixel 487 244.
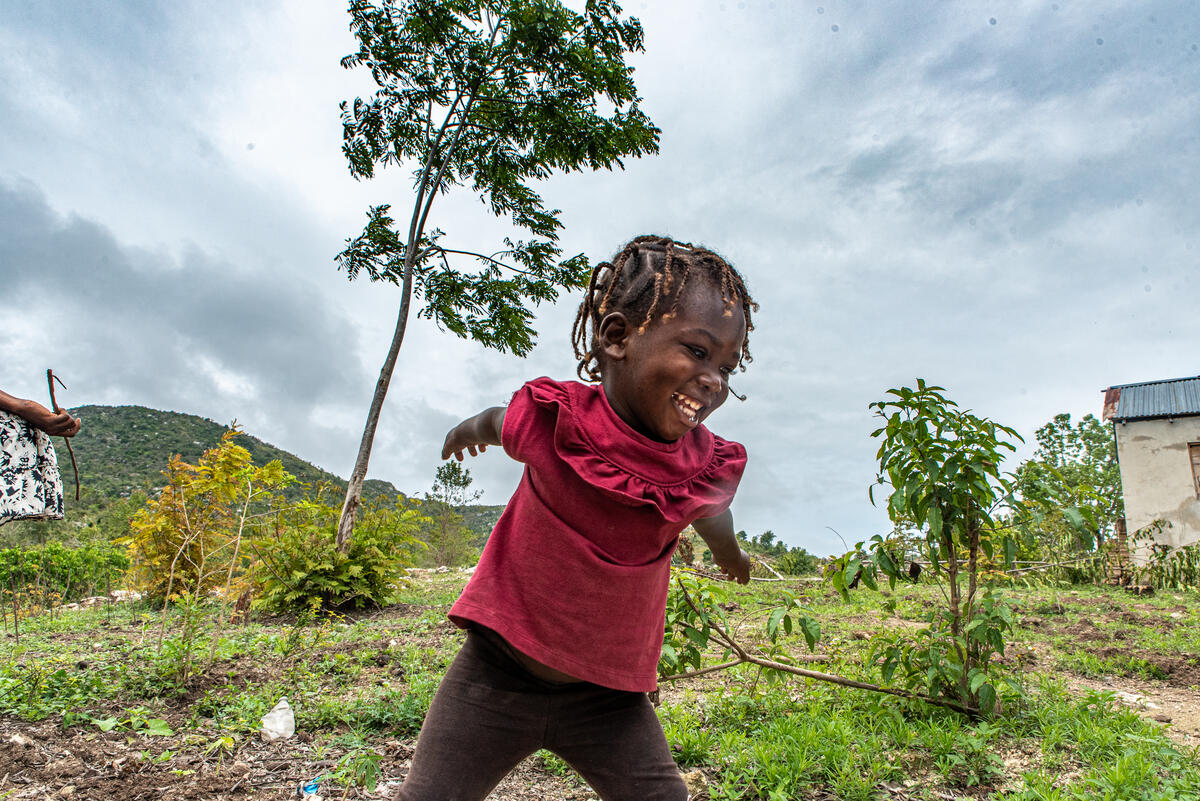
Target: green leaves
pixel 791 615
pixel 305 571
pixel 688 625
pixel 942 464
pixel 136 722
pixel 490 94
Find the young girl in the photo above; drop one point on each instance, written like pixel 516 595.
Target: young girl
pixel 565 611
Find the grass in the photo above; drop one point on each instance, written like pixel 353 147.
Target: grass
pixel 356 685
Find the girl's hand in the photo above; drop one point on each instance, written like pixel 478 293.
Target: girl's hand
pixel 717 533
pixel 737 569
pixel 474 434
pixel 457 441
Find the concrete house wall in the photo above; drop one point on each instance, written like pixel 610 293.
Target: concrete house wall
pixel 1157 479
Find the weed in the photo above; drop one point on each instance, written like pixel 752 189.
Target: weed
pixel 39 689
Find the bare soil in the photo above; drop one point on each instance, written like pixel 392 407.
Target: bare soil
pixel 41 761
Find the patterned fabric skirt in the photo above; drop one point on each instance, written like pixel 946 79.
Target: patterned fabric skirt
pixel 30 484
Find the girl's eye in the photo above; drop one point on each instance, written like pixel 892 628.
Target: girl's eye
pixel 699 353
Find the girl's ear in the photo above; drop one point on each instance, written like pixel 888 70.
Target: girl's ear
pixel 614 335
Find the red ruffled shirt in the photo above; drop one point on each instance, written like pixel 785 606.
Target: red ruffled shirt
pixel 575 573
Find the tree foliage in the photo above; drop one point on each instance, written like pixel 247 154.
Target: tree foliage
pixel 1074 473
pixel 942 465
pixel 190 538
pixel 492 95
pixel 446 535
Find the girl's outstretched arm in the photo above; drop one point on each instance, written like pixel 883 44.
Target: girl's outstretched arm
pixel 717 533
pixel 474 434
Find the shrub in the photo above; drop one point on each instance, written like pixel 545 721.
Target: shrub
pixel 306 573
pixel 942 466
pixel 56 571
pixel 190 539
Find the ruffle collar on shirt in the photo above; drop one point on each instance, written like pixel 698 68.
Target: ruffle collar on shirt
pixel 679 478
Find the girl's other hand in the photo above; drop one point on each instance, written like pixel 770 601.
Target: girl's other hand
pixel 474 434
pixel 448 449
pixel 739 569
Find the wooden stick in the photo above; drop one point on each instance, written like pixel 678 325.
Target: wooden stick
pixel 16 609
pixel 50 379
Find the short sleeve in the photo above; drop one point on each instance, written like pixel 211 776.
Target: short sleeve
pixel 715 493
pixel 529 421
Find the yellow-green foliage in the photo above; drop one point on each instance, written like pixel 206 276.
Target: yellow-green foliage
pixel 191 538
pixel 306 573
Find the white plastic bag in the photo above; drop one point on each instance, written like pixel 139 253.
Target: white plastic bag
pixel 279 723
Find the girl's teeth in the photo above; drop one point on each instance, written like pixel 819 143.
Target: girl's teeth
pixel 689 407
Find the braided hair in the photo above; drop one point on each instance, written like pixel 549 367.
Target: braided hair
pixel 648 278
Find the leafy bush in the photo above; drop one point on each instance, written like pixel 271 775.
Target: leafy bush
pixel 189 539
pixel 65 574
pixel 306 573
pixel 942 465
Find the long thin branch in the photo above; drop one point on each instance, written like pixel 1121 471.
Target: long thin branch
pixel 714 576
pixel 476 125
pixel 491 259
pixel 765 564
pixel 50 379
pixel 745 656
pixel 703 671
pixel 1049 565
pixel 212 652
pixel 437 181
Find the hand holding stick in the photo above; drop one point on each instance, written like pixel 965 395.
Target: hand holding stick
pixel 70 429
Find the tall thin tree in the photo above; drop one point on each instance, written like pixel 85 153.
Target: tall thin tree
pixel 493 94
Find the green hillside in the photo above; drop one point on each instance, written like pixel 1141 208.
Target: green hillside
pixel 480 520
pixel 122 449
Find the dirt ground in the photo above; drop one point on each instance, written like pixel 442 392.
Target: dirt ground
pixel 43 761
pixel 40 761
pixel 1172 702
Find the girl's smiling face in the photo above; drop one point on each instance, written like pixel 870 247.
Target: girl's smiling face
pixel 666 381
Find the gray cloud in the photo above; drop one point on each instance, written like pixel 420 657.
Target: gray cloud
pixel 1006 209
pixel 194 334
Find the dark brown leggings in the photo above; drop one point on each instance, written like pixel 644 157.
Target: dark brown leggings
pixel 490 713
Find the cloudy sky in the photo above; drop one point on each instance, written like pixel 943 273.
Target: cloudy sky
pixel 999 197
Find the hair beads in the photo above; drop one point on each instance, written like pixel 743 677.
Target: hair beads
pixel 648 273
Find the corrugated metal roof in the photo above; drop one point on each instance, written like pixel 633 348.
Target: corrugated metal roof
pixel 1177 397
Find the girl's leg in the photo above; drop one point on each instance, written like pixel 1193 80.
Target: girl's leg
pixel 479 726
pixel 615 742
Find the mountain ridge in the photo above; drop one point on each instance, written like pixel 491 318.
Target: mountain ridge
pixel 122 452
pixel 123 449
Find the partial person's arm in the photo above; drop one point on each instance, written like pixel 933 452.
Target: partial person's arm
pixel 474 434
pixel 58 424
pixel 717 533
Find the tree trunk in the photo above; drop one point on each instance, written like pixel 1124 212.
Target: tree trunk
pixel 359 474
pixel 425 196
